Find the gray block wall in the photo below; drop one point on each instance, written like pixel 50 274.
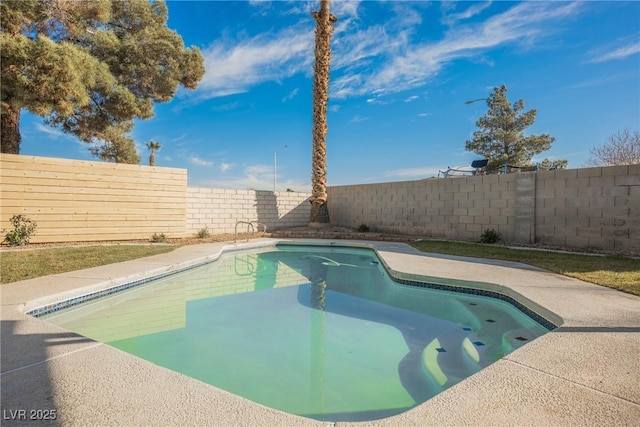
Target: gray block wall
pixel 593 207
pixel 582 208
pixel 454 208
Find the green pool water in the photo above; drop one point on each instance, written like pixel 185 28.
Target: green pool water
pixel 321 332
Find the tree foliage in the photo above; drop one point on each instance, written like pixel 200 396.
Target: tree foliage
pixel 621 148
pixel 501 138
pixel 547 164
pixel 115 145
pixel 90 68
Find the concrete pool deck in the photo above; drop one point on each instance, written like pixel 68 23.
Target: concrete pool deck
pixel 584 373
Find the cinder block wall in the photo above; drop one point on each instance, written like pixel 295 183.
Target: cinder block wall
pixel 593 207
pixel 219 209
pixel 74 200
pixel 583 208
pixel 454 208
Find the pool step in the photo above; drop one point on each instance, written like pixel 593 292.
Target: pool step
pixel 516 338
pixel 454 356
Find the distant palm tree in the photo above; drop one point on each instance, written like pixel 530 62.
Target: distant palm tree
pixel 324 28
pixel 153 147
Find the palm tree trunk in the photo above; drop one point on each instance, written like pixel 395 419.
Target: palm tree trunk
pixel 10 129
pixel 324 28
pixel 152 159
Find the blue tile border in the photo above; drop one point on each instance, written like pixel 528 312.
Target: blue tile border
pixel 71 302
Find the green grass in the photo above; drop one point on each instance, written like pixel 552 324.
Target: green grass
pixel 28 264
pixel 617 272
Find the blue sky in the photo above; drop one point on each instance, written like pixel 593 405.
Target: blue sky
pixel 400 75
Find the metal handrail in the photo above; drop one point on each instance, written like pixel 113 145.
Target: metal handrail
pixel 258 224
pixel 250 228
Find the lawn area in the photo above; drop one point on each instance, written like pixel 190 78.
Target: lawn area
pixel 615 272
pixel 28 264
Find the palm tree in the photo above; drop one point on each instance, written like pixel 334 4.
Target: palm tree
pixel 324 28
pixel 153 147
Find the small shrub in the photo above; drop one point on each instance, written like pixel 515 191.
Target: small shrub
pixel 363 228
pixel 203 233
pixel 490 236
pixel 23 229
pixel 158 238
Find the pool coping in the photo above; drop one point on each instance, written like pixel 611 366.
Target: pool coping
pixel 583 373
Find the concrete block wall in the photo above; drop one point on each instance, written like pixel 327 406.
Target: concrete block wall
pixel 219 209
pixel 592 207
pixel 455 208
pixel 582 208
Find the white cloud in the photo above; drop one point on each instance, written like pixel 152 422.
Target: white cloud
pixel 179 138
pixel 55 134
pixel 604 80
pixel 411 98
pixel 376 100
pixel 412 173
pixel 470 12
pixel 358 119
pixel 290 95
pixel 618 53
pixel 225 166
pixel 258 177
pixel 354 47
pixel 234 67
pixel 410 66
pixel 345 8
pixel 259 170
pixel 375 59
pixel 50 131
pixel 229 106
pixel 424 114
pixel 197 161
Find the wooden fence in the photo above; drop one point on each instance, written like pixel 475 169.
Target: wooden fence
pixel 73 200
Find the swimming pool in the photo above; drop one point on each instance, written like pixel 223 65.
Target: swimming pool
pixel 322 332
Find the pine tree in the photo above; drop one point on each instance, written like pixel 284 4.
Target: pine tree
pixel 116 146
pixel 501 137
pixel 90 68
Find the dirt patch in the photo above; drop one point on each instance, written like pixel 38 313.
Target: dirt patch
pixel 330 232
pixel 169 241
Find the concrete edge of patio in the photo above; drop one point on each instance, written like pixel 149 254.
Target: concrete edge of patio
pixel 583 373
